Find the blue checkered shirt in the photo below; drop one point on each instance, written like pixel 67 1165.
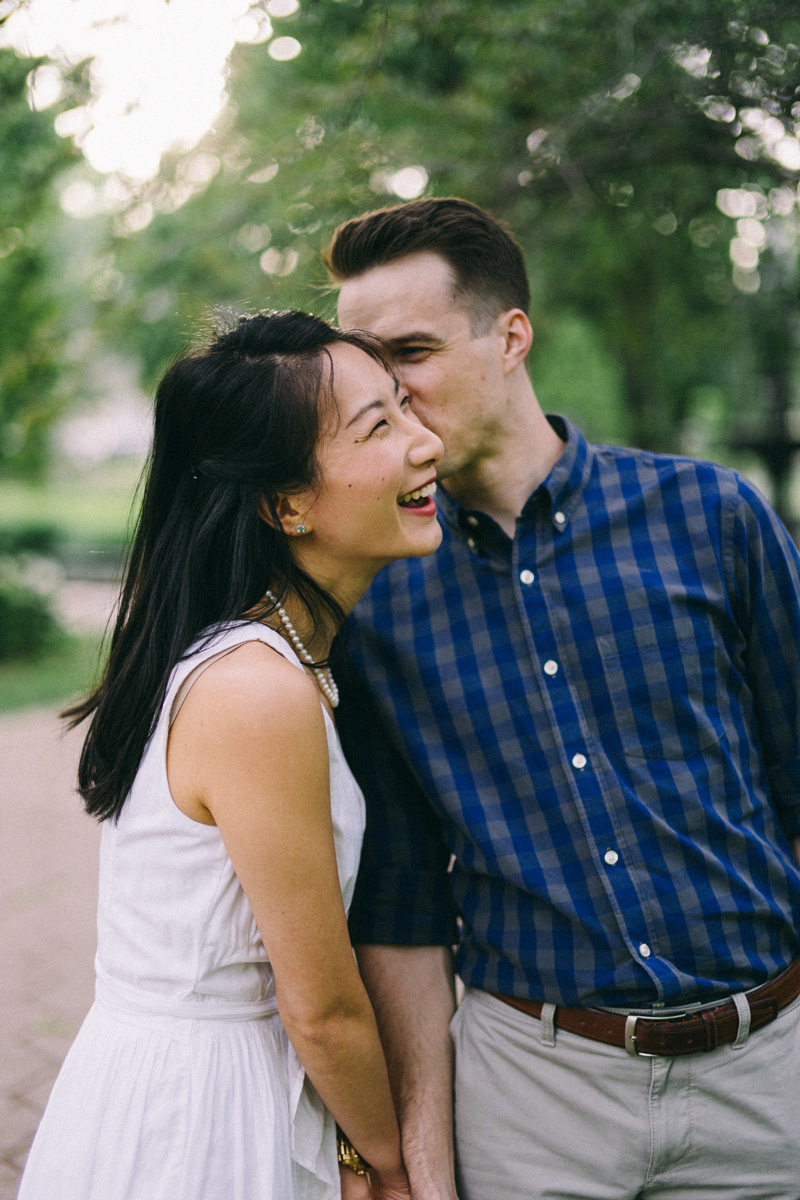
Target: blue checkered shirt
pixel 584 743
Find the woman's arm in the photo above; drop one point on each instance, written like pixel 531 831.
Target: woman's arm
pixel 248 751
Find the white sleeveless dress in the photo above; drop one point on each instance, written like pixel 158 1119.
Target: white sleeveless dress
pixel 182 1083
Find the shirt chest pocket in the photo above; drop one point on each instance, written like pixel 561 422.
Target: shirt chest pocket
pixel 663 692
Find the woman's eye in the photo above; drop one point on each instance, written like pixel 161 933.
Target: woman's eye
pixel 405 402
pixel 375 429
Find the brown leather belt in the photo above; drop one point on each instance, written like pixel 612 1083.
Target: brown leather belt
pixel 691 1033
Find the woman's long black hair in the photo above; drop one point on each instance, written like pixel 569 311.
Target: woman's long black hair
pixel 236 422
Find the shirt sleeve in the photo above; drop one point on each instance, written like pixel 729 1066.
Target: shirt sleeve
pixel 767 579
pixel 402 894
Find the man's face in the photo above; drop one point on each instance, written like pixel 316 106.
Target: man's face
pixel 454 376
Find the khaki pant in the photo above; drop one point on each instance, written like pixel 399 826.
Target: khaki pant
pixel 579 1120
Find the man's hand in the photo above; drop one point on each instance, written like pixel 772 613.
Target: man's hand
pixel 389 1189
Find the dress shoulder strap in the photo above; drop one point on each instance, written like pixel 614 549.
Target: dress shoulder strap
pixel 213 646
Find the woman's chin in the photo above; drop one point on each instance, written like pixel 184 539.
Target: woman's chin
pixel 427 544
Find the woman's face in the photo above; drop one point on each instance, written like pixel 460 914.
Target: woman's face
pixel 375 458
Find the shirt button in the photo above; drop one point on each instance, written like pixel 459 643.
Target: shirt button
pixel 579 761
pixel 559 518
pixel 611 857
pixel 473 521
pixel 526 577
pixel 644 950
pixel 471 543
pixel 550 667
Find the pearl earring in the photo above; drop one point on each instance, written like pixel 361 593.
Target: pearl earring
pixel 300 528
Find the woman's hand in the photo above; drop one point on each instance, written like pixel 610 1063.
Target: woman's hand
pixel 373 1186
pixel 354 1187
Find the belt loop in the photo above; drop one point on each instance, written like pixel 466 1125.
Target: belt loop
pixel 743 1009
pixel 548 1024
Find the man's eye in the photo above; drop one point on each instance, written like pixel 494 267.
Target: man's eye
pixel 405 402
pixel 412 352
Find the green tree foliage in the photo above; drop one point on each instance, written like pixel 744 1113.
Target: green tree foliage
pixel 31 328
pixel 601 130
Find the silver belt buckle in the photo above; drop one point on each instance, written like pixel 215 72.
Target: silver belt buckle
pixel 632 1021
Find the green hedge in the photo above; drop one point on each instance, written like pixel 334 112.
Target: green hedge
pixel 30 538
pixel 28 627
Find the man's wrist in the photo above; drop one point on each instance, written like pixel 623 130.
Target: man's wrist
pixel 431 1177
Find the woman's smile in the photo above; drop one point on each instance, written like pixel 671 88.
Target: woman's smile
pixel 420 500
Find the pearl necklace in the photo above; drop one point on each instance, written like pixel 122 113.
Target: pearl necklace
pixel 323 674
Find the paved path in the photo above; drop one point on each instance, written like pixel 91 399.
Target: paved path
pixel 48 892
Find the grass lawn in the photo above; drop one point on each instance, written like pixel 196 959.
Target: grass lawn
pixel 63 674
pixel 89 506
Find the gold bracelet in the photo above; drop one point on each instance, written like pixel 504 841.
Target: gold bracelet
pixel 348 1156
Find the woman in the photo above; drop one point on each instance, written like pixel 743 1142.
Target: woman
pixel 231 1031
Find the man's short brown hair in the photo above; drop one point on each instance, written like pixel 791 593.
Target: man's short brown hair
pixel 487 263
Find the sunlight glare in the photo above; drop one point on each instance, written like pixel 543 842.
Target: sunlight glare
pixel 157 70
pixel 45 85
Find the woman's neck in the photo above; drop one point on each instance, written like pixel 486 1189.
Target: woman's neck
pixel 344 582
pixel 291 616
pixel 312 651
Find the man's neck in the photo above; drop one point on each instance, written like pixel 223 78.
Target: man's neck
pixel 500 484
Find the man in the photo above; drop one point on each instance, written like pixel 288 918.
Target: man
pixel 585 705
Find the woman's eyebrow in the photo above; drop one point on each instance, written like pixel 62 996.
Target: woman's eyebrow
pixel 364 409
pixel 378 403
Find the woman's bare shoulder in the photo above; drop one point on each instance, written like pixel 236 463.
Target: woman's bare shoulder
pixel 251 726
pixel 254 685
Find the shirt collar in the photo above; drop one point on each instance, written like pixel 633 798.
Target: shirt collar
pixel 564 486
pixel 567 481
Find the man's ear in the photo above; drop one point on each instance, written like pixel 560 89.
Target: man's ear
pixel 285 508
pixel 517 334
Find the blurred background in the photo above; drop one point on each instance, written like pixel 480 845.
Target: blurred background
pixel 159 158
pixel 162 157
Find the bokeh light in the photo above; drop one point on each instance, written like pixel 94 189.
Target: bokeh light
pixel 283 49
pixel 409 182
pixel 282 8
